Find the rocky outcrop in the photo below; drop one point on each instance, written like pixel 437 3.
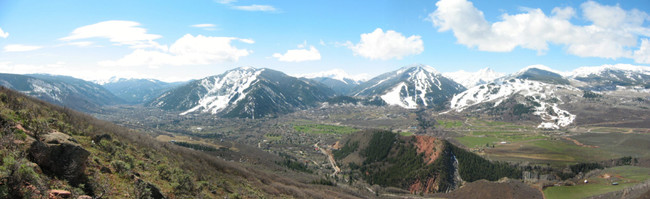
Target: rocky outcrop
pixel 59 155
pixel 148 190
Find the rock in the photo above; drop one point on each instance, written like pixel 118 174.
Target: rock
pixel 154 192
pixel 55 193
pixel 99 138
pixel 59 155
pixel 105 170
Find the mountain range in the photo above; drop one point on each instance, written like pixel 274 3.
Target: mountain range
pixel 535 92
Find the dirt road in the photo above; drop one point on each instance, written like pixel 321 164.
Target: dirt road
pixel 330 157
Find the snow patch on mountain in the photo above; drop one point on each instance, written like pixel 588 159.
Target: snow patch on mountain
pixel 471 79
pixel 543 95
pixel 224 90
pixel 598 70
pixel 41 88
pixel 394 97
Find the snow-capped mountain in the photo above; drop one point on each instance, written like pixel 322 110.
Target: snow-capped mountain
pixel 612 77
pixel 471 79
pixel 337 79
pixel 135 91
pixel 61 90
pixel 243 92
pixel 410 87
pixel 533 90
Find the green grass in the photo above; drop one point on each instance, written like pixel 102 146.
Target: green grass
pixel 405 133
pixel 631 175
pixel 473 142
pixel 323 129
pixel 450 123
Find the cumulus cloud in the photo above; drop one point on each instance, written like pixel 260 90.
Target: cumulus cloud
pixel 127 33
pixel 3 34
pixel 299 55
pixel 613 32
pixel 386 45
pixel 255 7
pixel 643 54
pixel 20 48
pixel 188 50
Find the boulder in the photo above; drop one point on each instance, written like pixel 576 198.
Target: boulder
pixel 99 138
pixel 55 193
pixel 154 192
pixel 59 155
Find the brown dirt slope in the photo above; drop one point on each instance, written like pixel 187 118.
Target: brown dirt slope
pixel 503 190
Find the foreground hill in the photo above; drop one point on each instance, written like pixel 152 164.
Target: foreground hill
pixel 411 87
pixel 49 150
pixel 419 164
pixel 244 92
pixel 137 91
pixel 62 90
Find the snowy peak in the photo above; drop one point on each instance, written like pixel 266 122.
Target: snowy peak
pixel 471 79
pixel 539 73
pixel 336 74
pixel 530 96
pixel 600 70
pixel 243 92
pixel 224 89
pixel 613 77
pixel 410 87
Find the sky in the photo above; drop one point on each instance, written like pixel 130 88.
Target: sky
pixel 182 40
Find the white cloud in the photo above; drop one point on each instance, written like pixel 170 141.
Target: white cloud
pixel 81 43
pixel 255 7
pixel 20 48
pixel 225 1
pixel 388 45
pixel 612 34
pixel 203 25
pixel 188 50
pixel 3 34
pixel 127 33
pixel 643 54
pixel 299 55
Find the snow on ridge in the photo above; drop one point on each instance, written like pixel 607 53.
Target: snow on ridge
pixel 597 70
pixel 540 67
pixel 225 90
pixel 337 74
pixel 471 79
pixel 539 91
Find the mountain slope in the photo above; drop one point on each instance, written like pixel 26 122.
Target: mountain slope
pixel 61 90
pixel 611 77
pixel 531 91
pixel 338 80
pixel 243 92
pixel 471 79
pixel 410 87
pixel 135 91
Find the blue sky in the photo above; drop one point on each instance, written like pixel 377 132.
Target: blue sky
pixel 181 40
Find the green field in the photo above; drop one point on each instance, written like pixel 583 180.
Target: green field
pixel 450 123
pixel 481 138
pixel 474 142
pixel 323 129
pixel 630 176
pixel 406 133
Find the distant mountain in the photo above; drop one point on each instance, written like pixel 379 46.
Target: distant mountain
pixel 136 91
pixel 411 87
pixel 62 90
pixel 611 77
pixel 534 90
pixel 337 79
pixel 471 79
pixel 244 92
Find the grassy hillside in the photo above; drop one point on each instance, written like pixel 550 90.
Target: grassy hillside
pixel 120 163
